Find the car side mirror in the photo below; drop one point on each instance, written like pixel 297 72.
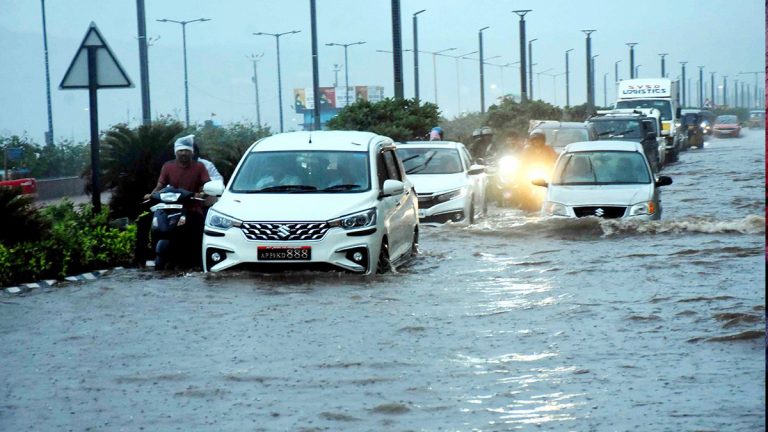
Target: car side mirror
pixel 392 187
pixel 214 188
pixel 663 181
pixel 476 169
pixel 540 182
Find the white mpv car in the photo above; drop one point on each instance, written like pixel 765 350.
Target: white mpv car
pixel 322 199
pixel 606 179
pixel 449 187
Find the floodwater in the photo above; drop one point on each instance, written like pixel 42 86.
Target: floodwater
pixel 512 324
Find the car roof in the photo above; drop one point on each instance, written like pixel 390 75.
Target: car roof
pixel 609 145
pixel 555 124
pixel 431 144
pixel 319 140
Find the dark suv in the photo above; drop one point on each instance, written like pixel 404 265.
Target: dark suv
pixel 637 128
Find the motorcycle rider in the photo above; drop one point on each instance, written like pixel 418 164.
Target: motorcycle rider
pixel 537 150
pixel 186 173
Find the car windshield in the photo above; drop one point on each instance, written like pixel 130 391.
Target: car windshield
pixel 608 128
pixel 664 106
pixel 726 119
pixel 601 167
pixel 426 160
pixel 303 172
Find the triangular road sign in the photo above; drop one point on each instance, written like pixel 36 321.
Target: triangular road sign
pixel 109 73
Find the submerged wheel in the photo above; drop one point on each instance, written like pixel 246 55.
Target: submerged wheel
pixel 383 264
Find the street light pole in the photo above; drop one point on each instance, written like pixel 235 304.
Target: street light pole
pixel 712 88
pixel 685 95
pixel 637 71
pixel 49 135
pixel 631 46
pixel 523 93
pixel 416 55
pixel 663 71
pixel 346 66
pixel 434 67
pixel 590 90
pixel 605 89
pixel 530 67
pixel 567 80
pixel 255 58
pixel 279 78
pixel 482 76
pixel 184 41
pixel 701 86
pixel 458 80
pixel 592 80
pixel 616 75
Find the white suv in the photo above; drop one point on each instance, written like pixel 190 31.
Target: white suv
pixel 304 199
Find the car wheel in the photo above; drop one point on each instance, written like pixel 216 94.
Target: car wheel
pixel 383 265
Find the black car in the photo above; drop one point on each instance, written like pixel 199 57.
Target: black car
pixel 629 128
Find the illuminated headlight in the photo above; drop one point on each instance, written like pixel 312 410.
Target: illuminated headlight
pixel 169 196
pixel 454 194
pixel 220 221
pixel 678 124
pixel 643 208
pixel 365 218
pixel 551 208
pixel 508 165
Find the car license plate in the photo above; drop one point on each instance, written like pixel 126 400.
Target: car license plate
pixel 284 253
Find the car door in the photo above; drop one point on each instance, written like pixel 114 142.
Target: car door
pixel 397 210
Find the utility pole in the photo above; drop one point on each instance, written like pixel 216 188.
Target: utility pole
pixel 49 135
pixel 590 90
pixel 663 71
pixel 336 69
pixel 146 114
pixel 482 76
pixel 567 80
pixel 631 46
pixel 255 59
pixel 416 54
pixel 523 92
pixel 685 96
pixel 397 49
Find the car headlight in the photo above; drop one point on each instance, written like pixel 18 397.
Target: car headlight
pixel 643 208
pixel 454 194
pixel 365 218
pixel 551 208
pixel 220 221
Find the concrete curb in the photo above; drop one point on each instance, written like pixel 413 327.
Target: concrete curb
pixel 24 288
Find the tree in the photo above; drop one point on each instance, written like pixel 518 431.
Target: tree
pixel 460 128
pixel 225 146
pixel 512 118
pixel 399 119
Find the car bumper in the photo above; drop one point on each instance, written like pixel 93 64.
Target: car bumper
pixel 355 250
pixel 453 211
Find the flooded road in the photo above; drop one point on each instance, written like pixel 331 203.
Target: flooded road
pixel 512 324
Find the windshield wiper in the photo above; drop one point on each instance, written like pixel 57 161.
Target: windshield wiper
pixel 622 133
pixel 287 188
pixel 341 187
pixel 421 167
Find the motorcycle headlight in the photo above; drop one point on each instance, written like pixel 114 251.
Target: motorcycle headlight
pixel 365 218
pixel 220 221
pixel 508 165
pixel 551 208
pixel 454 194
pixel 169 196
pixel 643 208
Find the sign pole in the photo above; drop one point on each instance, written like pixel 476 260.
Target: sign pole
pixel 93 84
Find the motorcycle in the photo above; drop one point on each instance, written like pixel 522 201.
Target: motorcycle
pixel 511 181
pixel 173 226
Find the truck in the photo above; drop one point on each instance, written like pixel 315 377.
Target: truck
pixel 659 93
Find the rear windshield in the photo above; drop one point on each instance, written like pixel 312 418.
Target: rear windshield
pixel 303 172
pixel 608 128
pixel 601 167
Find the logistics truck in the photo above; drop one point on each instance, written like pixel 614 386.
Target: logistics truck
pixel 659 93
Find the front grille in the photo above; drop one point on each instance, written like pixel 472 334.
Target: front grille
pixel 605 212
pixel 285 231
pixel 427 201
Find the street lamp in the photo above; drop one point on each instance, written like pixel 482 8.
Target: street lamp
pixel 184 41
pixel 637 71
pixel 279 82
pixel 416 54
pixel 592 80
pixel 685 95
pixel 255 59
pixel 346 66
pixel 590 90
pixel 458 79
pixel 530 67
pixel 434 67
pixel 701 86
pixel 663 71
pixel 605 89
pixel 712 88
pixel 567 80
pixel 49 135
pixel 631 46
pixel 616 74
pixel 521 13
pixel 482 76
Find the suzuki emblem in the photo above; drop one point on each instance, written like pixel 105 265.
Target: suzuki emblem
pixel 283 231
pixel 599 212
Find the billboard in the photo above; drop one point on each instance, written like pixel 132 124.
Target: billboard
pixel 335 97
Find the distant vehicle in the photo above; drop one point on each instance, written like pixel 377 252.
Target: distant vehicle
pixel 448 185
pixel 604 179
pixel 309 200
pixel 694 133
pixel 756 119
pixel 632 125
pixel 727 126
pixel 560 134
pixel 27 186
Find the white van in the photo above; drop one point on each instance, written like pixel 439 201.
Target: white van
pixel 337 199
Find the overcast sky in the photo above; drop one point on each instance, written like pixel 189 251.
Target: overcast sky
pixel 725 36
